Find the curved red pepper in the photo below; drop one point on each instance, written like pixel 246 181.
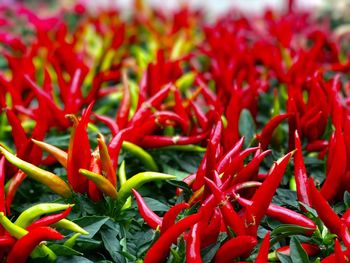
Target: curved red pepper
pixel 155 141
pixel 283 215
pixel 230 216
pixel 27 243
pixel 180 110
pixel 213 144
pixel 266 134
pixel 145 110
pixel 336 172
pixel 151 218
pixel 49 220
pixel 264 250
pixel 122 117
pixel 251 169
pixel 339 254
pixel 237 163
pixel 235 247
pixel 300 172
pixel 110 123
pixel 226 159
pixel 159 250
pixel 79 153
pixel 95 166
pixel 324 210
pixel 210 227
pixel 193 252
pixel 16 181
pixel 170 216
pixel 263 195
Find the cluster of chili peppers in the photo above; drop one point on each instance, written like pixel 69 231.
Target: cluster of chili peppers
pixel 176 82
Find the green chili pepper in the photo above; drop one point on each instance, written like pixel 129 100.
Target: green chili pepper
pixel 29 215
pixel 122 179
pixel 71 226
pixel 54 182
pixel 144 156
pixel 70 242
pixel 137 181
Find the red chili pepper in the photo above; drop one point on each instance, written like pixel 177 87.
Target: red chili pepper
pixel 263 196
pixel 200 174
pixel 16 181
pixel 235 247
pixel 193 252
pixel 115 145
pixel 300 172
pixel 324 210
pixel 199 115
pixel 339 254
pixel 266 134
pixel 233 110
pixel 210 227
pixel 345 235
pixel 95 166
pixel 180 110
pixel 152 219
pixel 49 220
pixel 336 172
pixel 226 159
pixel 283 215
pixel 6 242
pixel 18 133
pixel 230 216
pixel 346 217
pixel 237 163
pixel 155 141
pixel 122 117
pixel 79 152
pixel 213 144
pixel 73 101
pixel 145 110
pixel 160 249
pixel 27 243
pixel 264 250
pixel 109 122
pixel 317 146
pixel 55 112
pixel 251 169
pixel 170 216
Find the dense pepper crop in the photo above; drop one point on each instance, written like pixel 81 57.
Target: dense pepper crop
pixel 163 137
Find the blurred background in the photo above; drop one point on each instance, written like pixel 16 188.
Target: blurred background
pixel 214 7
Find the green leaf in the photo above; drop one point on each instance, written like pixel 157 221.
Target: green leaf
pixel 347 199
pixel 91 224
pixel 62 250
pixel 170 170
pixel 247 126
pixel 155 205
pixel 297 253
pixel 111 243
pixel 284 258
pixel 73 259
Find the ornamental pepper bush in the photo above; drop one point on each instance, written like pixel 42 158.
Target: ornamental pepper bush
pixel 160 136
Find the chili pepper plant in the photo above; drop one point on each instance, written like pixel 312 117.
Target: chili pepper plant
pixel 165 136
